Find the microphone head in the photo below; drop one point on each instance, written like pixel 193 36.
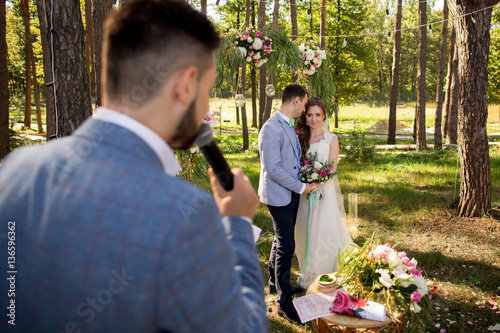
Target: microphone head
pixel 204 136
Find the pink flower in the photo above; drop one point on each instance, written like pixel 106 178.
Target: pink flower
pixel 207 117
pixel 442 330
pixel 370 246
pixel 250 54
pixel 416 297
pixel 402 254
pixel 266 52
pixel 388 245
pixel 341 303
pixel 405 260
pixel 371 255
pixel 307 162
pixel 251 47
pixel 470 323
pixel 297 132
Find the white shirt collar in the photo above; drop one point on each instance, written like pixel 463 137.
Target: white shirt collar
pixel 284 117
pixel 153 140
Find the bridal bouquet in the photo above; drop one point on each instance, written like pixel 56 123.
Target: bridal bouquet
pixel 313 171
pixel 381 274
pixel 254 46
pixel 312 56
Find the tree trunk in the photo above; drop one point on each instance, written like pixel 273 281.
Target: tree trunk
pixel 438 137
pixel 4 85
pixel 253 74
pixel 100 10
pixel 391 136
pixel 295 30
pixel 204 6
pixel 262 70
pixel 37 95
pixel 72 98
pixel 322 29
pixel 422 56
pixel 44 22
pixel 452 125
pixel 473 43
pixel 243 111
pixel 28 51
pixel 449 79
pixel 32 64
pixel 89 45
pixel 269 99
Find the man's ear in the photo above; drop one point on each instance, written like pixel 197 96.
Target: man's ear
pixel 296 101
pixel 186 85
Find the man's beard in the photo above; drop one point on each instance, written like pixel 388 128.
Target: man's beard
pixel 187 129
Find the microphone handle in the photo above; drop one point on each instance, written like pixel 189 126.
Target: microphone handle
pixel 219 164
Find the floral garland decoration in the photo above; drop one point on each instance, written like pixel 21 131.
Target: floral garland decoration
pixel 312 56
pixel 254 46
pixel 379 273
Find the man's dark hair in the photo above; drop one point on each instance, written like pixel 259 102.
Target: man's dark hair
pixel 291 91
pixel 146 41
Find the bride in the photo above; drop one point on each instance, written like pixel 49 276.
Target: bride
pixel 321 237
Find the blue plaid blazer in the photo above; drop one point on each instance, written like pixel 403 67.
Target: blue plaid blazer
pixel 105 241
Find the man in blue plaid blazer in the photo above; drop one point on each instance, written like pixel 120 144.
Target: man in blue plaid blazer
pixel 97 234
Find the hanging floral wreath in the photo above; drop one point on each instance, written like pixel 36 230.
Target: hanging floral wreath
pixel 312 56
pixel 254 47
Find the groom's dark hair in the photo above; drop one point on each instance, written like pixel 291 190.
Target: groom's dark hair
pixel 146 41
pixel 291 91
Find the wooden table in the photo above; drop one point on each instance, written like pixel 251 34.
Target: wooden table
pixel 342 323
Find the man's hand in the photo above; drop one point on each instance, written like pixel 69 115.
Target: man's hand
pixel 309 188
pixel 240 201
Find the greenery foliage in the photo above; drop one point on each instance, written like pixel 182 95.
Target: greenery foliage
pixel 359 275
pixel 358 149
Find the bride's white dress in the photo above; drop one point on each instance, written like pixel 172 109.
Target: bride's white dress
pixel 329 236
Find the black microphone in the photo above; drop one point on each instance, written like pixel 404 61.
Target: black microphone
pixel 213 154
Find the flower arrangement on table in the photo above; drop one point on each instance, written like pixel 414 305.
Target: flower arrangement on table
pixel 381 274
pixel 254 46
pixel 312 56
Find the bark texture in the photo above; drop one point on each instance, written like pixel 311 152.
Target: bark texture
pixel 421 73
pixel 393 103
pixel 473 42
pixel 100 10
pixel 438 137
pixel 72 98
pixel 4 86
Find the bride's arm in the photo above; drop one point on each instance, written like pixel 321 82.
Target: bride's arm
pixel 333 157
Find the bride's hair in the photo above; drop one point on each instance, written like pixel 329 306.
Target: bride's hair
pixel 301 124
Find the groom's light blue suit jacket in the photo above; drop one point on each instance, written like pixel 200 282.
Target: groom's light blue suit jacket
pixel 105 241
pixel 280 154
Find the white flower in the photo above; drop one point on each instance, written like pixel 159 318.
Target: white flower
pixel 249 39
pixel 249 59
pixel 243 51
pixel 421 285
pixel 257 44
pixel 317 165
pixel 311 71
pixel 302 47
pixel 261 62
pixel 394 260
pixel 317 61
pixel 401 275
pixel 494 328
pixel 306 62
pixel 194 149
pixel 310 54
pixel 415 307
pixel 322 54
pixel 256 56
pixel 314 176
pixel 413 261
pixel 213 123
pixel 385 277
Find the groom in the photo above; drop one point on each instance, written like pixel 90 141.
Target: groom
pixel 280 189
